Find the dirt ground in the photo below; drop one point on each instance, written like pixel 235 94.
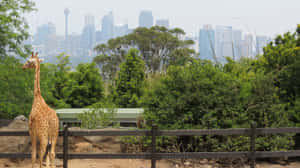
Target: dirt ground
pixel 129 163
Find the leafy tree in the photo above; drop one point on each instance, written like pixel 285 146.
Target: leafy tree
pixel 13 27
pixel 130 81
pixel 84 86
pixel 159 47
pixel 61 73
pixel 16 91
pixel 202 95
pixel 282 58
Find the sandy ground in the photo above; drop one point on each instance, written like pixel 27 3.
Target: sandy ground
pixel 129 163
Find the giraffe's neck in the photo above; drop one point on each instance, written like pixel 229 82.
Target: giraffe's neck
pixel 37 90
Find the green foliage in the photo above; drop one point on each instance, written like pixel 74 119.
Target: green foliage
pixel 84 86
pixel 13 27
pixel 16 91
pixel 100 114
pixel 130 81
pixel 201 95
pixel 61 76
pixel 159 47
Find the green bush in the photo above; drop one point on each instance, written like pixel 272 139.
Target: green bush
pixel 100 114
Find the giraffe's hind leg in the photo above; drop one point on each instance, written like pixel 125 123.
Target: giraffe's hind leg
pixel 33 145
pixel 43 146
pixel 52 151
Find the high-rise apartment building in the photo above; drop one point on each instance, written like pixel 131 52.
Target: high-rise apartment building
pixel 121 30
pixel 237 41
pixel 43 32
pixel 261 42
pixel 162 22
pixel 224 42
pixel 146 19
pixel 247 46
pixel 88 36
pixel 107 31
pixel 207 43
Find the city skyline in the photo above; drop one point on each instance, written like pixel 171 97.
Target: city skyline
pixel 261 18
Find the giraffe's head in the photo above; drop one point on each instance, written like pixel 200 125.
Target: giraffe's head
pixel 32 61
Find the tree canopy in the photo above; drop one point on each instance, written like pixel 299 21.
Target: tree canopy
pixel 130 81
pixel 13 27
pixel 159 47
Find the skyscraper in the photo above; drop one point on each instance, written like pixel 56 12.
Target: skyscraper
pixel 121 30
pixel 224 43
pixel 43 33
pixel 146 19
pixel 107 27
pixel 261 42
pixel 237 41
pixel 88 36
pixel 162 22
pixel 247 46
pixel 207 43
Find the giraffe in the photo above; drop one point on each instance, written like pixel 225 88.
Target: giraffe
pixel 43 121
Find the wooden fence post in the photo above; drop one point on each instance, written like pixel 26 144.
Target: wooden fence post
pixel 252 145
pixel 153 145
pixel 65 146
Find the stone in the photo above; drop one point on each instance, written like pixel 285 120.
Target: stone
pixel 21 117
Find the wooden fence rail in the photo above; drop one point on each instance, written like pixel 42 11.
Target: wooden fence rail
pixel 154 155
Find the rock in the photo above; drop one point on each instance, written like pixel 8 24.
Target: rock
pixel 203 161
pixel 187 163
pixel 15 144
pixel 21 117
pixel 83 147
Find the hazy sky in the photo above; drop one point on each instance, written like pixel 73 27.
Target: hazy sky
pixel 261 17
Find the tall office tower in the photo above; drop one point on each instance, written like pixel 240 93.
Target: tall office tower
pixel 207 43
pixel 247 46
pixel 107 27
pixel 261 42
pixel 88 36
pixel 237 41
pixel 66 12
pixel 162 22
pixel 43 33
pixel 146 19
pixel 224 43
pixel 121 30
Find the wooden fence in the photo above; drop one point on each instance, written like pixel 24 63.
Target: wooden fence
pixel 153 155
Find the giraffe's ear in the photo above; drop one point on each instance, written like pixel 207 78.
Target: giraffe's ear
pixel 41 60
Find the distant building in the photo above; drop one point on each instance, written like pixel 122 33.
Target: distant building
pixel 162 22
pixel 247 46
pixel 261 42
pixel 207 43
pixel 237 42
pixel 107 31
pixel 43 32
pixel 88 36
pixel 224 42
pixel 146 19
pixel 121 30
